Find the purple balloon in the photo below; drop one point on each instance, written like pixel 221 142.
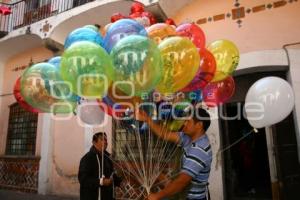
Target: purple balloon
pixel 121 29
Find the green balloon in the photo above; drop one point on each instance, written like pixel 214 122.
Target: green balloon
pixel 137 59
pixel 88 68
pixel 34 82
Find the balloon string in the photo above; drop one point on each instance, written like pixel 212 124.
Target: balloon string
pixel 233 144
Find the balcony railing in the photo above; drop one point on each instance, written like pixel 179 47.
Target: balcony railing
pixel 26 12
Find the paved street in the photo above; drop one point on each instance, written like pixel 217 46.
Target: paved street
pixel 15 195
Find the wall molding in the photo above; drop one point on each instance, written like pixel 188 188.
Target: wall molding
pixel 239 12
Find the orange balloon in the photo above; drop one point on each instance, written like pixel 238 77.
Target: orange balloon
pixel 105 29
pixel 160 31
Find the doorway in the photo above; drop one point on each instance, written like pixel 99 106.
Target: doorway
pixel 247 173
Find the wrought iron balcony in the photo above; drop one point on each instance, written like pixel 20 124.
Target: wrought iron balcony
pixel 26 12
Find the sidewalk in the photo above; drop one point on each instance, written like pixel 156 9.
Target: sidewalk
pixel 15 195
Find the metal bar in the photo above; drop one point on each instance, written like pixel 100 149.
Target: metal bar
pixel 26 12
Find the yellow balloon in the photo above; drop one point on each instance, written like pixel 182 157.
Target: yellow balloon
pixel 181 61
pixel 227 58
pixel 160 31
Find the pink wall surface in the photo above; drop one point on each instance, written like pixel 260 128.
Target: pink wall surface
pixel 68 148
pixel 263 30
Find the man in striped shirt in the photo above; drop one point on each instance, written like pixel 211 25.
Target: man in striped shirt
pixel 196 160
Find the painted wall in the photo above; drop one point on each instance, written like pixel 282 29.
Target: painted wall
pixel 68 148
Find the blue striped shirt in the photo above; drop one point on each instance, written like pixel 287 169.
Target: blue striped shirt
pixel 196 162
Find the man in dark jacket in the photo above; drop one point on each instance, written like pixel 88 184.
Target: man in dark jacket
pixel 97 182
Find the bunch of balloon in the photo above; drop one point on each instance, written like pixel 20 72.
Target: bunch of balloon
pixel 269 101
pixel 171 62
pixel 134 55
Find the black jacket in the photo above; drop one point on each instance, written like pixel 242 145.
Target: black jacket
pixel 89 179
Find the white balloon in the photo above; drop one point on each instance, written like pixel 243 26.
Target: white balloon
pixel 90 113
pixel 144 21
pixel 269 101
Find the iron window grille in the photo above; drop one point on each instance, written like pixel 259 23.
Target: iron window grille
pixel 21 134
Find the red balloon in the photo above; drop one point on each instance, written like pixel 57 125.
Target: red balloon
pixel 150 16
pixel 220 92
pixel 170 21
pixel 137 7
pixel 21 100
pixel 205 73
pixel 193 32
pixel 135 15
pixel 115 17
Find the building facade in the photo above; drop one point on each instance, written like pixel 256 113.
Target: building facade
pixel 267 34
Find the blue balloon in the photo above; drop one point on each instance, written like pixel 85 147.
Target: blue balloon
pixel 55 61
pixel 111 103
pixel 83 34
pixel 121 29
pixel 108 101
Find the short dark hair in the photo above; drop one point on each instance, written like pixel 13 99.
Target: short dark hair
pixel 98 135
pixel 201 115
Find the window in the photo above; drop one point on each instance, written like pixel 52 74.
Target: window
pixel 21 134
